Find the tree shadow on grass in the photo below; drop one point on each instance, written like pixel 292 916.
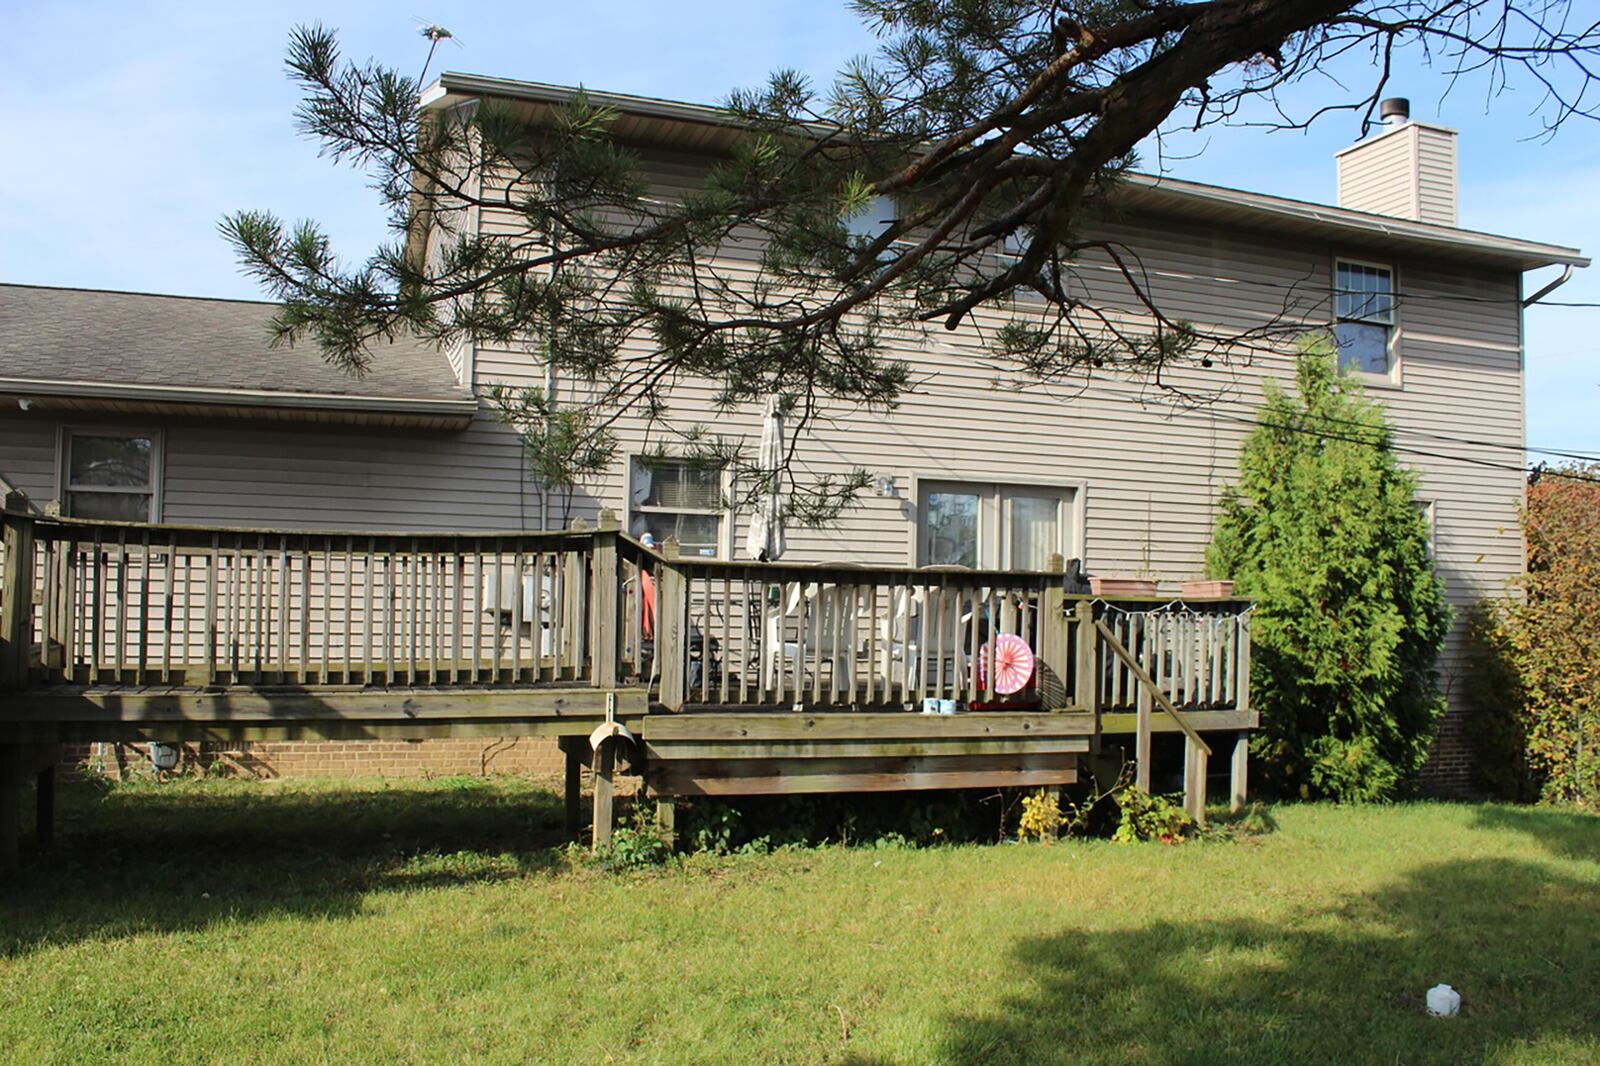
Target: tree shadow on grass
pixel 1343 985
pixel 166 858
pixel 1568 834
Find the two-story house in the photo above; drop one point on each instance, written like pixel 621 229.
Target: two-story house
pixel 174 409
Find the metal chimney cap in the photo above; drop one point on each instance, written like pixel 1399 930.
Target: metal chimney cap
pixel 1395 108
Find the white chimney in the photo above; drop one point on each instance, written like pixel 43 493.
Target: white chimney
pixel 1407 169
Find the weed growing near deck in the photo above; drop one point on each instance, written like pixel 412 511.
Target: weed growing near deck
pixel 235 921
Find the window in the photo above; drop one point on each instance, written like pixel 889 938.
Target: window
pixel 112 475
pixel 1430 518
pixel 1364 317
pixel 1014 527
pixel 678 498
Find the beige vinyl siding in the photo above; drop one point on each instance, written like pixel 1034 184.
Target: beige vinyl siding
pixel 1409 172
pixel 1379 175
pixel 28 455
pixel 1436 176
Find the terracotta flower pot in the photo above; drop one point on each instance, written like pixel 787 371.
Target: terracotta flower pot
pixel 1122 586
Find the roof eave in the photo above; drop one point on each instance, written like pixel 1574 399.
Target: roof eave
pixel 432 410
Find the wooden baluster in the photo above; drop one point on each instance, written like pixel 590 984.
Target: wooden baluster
pixel 71 616
pixel 348 582
pixel 458 616
pixel 119 648
pixel 143 653
pixel 477 613
pixel 975 603
pixel 263 638
pixel 538 615
pixel 434 563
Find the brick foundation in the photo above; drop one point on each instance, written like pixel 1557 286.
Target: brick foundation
pixel 477 756
pixel 1448 772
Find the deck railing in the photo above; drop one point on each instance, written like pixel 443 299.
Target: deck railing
pixel 119 603
pixel 139 604
pixel 1196 651
pixel 784 634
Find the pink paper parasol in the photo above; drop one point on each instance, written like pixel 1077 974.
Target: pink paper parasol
pixel 1013 664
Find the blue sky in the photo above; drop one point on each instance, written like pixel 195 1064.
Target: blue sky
pixel 132 128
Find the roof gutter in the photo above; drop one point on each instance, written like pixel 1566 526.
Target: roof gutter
pixel 465 407
pixel 1566 276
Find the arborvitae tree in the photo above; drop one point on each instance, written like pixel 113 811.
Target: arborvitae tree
pixel 1324 531
pixel 999 129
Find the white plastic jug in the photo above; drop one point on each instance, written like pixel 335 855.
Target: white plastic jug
pixel 1443 1001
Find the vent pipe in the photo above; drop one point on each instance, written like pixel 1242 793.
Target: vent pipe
pixel 1395 111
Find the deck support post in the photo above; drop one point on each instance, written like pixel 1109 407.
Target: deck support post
pixel 605 608
pixel 1239 775
pixel 604 764
pixel 1194 781
pixel 672 629
pixel 1141 731
pixel 667 822
pixel 44 809
pixel 572 784
pixel 10 806
pixel 1055 643
pixel 1086 669
pixel 16 605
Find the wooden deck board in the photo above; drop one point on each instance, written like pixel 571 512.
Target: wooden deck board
pixel 844 725
pixel 1203 721
pixel 746 777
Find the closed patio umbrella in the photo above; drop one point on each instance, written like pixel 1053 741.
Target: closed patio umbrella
pixel 765 539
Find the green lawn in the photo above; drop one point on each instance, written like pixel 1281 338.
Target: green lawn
pixel 233 922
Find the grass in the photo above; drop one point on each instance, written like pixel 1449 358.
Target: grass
pixel 239 921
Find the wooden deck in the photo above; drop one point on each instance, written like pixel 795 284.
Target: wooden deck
pixel 704 677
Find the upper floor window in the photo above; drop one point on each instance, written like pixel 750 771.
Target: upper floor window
pixel 679 498
pixel 1364 317
pixel 112 475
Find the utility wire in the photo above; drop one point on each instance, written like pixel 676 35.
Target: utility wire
pixel 1429 434
pixel 1381 445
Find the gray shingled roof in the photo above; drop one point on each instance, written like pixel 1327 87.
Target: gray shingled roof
pixel 86 335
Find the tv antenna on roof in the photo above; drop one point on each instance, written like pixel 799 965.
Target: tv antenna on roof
pixel 434 33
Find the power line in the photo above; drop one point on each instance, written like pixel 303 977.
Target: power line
pixel 1445 437
pixel 1389 445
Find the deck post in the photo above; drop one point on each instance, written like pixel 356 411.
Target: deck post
pixel 1194 781
pixel 667 822
pixel 605 604
pixel 16 601
pixel 604 764
pixel 1086 669
pixel 572 784
pixel 1141 736
pixel 10 806
pixel 44 809
pixel 1239 775
pixel 672 630
pixel 1055 657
